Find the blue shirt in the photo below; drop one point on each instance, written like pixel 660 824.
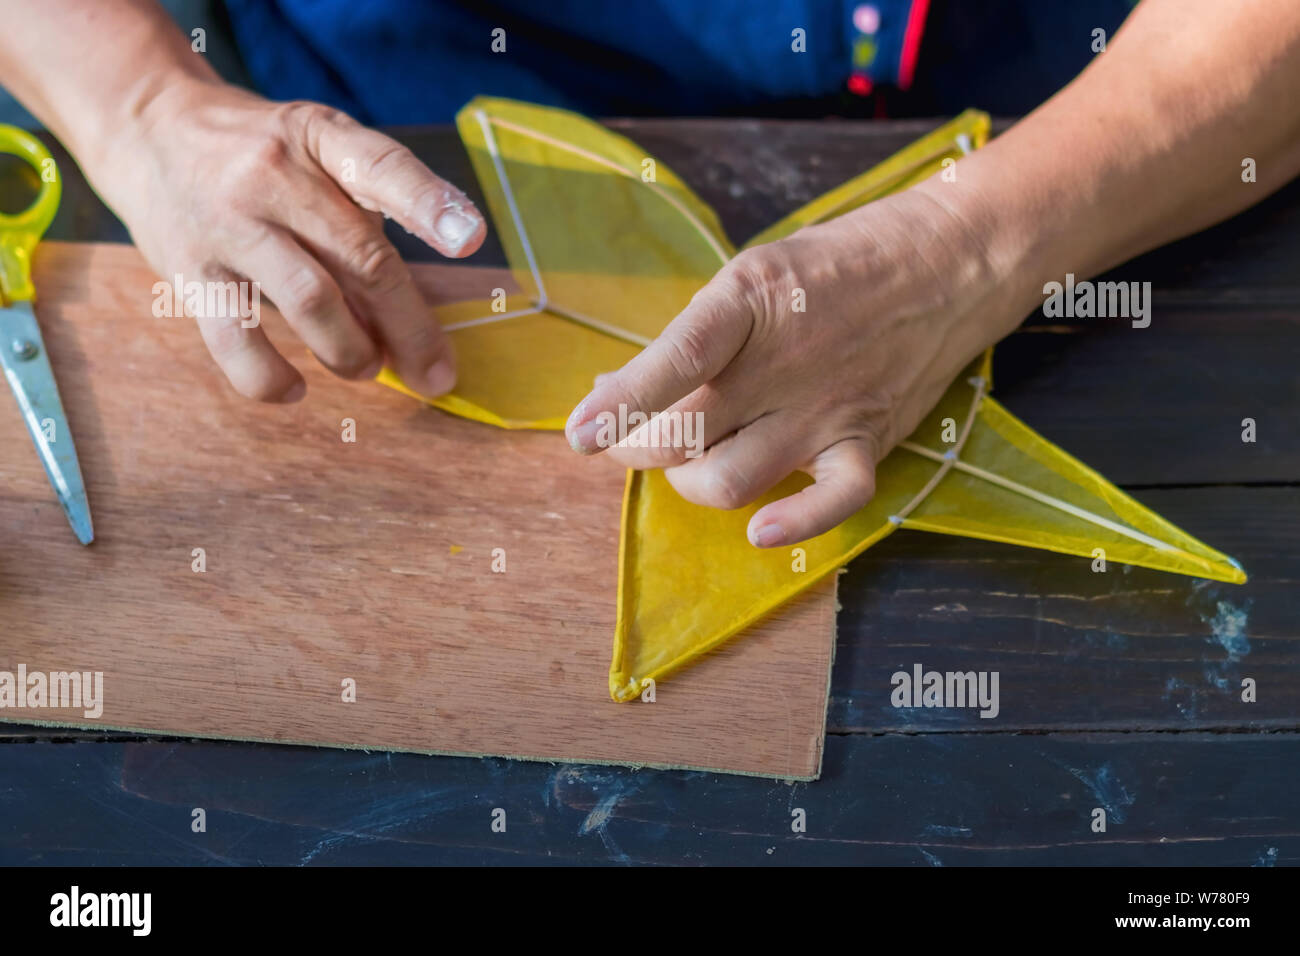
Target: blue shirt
pixel 393 62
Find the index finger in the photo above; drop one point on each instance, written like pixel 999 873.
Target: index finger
pixel 381 175
pixel 691 350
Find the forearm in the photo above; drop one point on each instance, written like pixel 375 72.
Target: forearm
pixel 1144 147
pixel 86 69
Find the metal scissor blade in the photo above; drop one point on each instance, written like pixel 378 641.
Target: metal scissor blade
pixel 27 368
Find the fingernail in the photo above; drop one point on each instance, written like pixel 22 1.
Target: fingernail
pixel 767 536
pixel 583 434
pixel 455 227
pixel 578 415
pixel 440 379
pixel 583 438
pixel 573 424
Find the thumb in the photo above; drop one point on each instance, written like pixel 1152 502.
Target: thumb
pixel 381 175
pixel 691 350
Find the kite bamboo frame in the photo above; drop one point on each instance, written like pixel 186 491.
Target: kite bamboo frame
pixel 1040 497
pixel 947 460
pixel 542 303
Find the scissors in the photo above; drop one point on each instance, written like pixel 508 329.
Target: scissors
pixel 22 350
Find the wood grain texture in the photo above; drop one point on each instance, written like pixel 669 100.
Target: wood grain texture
pixel 1076 653
pixel 1131 649
pixel 893 799
pixel 329 560
pixel 1163 406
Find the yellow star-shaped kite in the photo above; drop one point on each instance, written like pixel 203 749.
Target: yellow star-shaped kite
pixel 608 246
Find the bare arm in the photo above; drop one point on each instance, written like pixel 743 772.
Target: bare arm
pixel 217 184
pixel 87 70
pixel 1145 146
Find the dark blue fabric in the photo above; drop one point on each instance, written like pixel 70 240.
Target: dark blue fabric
pixel 1007 56
pixel 400 61
pixel 394 62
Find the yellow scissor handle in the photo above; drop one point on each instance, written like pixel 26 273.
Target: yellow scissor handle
pixel 20 232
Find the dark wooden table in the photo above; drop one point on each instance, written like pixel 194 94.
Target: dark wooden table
pixel 1118 690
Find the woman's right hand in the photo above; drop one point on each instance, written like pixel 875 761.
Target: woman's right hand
pixel 216 184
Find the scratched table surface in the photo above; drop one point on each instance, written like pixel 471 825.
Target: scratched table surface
pixel 1119 691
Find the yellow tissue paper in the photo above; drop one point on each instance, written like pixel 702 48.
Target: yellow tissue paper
pixel 999 481
pixel 606 246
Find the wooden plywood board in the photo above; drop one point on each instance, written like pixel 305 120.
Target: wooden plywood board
pixel 328 561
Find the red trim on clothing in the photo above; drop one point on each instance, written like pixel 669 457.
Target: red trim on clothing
pixel 912 42
pixel 860 84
